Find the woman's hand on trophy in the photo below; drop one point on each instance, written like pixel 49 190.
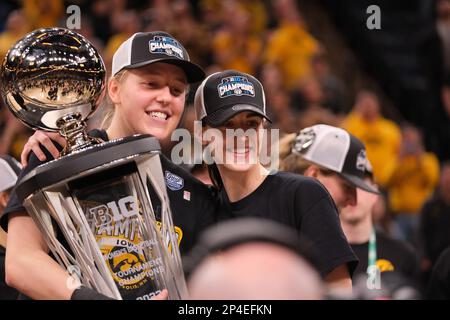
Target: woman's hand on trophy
pixel 44 138
pixel 164 295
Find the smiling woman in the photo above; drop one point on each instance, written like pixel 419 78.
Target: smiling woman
pixel 150 76
pixel 149 99
pixel 232 100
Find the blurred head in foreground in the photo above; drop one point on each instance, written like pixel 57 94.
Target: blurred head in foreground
pixel 251 258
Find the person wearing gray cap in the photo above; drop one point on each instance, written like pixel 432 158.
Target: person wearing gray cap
pixel 331 155
pixel 231 102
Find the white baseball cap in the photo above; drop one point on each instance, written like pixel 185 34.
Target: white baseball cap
pixel 9 171
pixel 337 150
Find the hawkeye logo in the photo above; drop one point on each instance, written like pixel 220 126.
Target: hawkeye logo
pixel 167 46
pixel 131 259
pixel 235 86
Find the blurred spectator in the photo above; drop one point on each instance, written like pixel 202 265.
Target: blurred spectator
pixel 158 16
pixel 381 136
pixel 443 28
pixel 6 7
pixel 280 111
pixel 312 117
pixel 309 99
pixel 211 14
pixel 100 13
pixel 258 15
pixel 13 134
pixel 278 99
pixel 434 224
pixel 87 31
pixel 439 285
pixel 125 23
pixel 234 47
pixel 333 88
pixel 309 95
pixel 445 95
pixel 43 13
pixel 9 170
pixel 233 261
pixel 383 218
pixel 15 28
pixel 388 254
pixel 290 46
pixel 414 175
pixel 190 32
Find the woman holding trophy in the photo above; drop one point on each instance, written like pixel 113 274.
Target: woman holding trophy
pixel 151 73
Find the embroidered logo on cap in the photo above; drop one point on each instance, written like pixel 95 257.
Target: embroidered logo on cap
pixel 173 181
pixel 167 46
pixel 303 140
pixel 361 161
pixel 235 86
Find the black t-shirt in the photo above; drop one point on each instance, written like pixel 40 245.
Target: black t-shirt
pixel 6 292
pixel 392 255
pixel 192 203
pixel 306 206
pixel 439 285
pixel 433 229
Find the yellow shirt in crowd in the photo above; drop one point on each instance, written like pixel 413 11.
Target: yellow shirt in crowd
pixel 7 40
pixel 382 139
pixel 232 52
pixel 412 182
pixel 291 48
pixel 44 13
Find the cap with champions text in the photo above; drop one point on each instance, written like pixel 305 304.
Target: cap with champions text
pixel 9 171
pixel 337 150
pixel 144 48
pixel 222 95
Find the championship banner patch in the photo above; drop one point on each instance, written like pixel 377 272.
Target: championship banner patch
pixel 167 46
pixel 173 181
pixel 235 86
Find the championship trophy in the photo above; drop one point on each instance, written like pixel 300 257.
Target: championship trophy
pixel 95 204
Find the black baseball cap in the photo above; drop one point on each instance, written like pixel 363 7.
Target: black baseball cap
pixel 9 171
pixel 144 48
pixel 222 95
pixel 337 150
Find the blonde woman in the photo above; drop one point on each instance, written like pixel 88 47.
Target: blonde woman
pixel 147 90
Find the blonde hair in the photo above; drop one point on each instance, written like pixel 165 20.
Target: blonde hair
pixel 107 105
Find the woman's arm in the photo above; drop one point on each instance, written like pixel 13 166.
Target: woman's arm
pixel 28 266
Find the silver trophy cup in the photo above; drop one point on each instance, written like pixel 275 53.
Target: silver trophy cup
pixel 94 205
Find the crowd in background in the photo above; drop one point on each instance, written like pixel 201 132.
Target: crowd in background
pixel 271 40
